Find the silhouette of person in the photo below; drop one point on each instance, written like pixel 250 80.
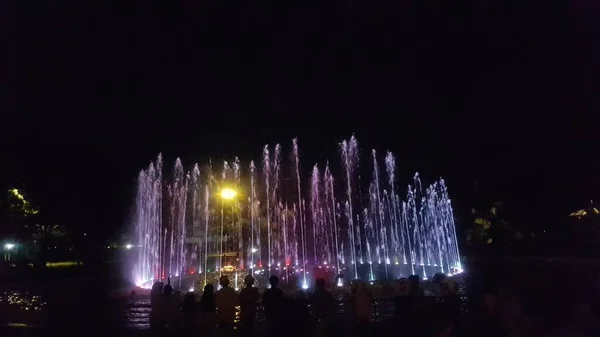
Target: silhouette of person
pixel 191 313
pixel 226 300
pixel 321 301
pixel 248 299
pixel 322 307
pixel 451 303
pixel 414 287
pixel 416 306
pixel 273 301
pixel 155 306
pixel 298 314
pixel 363 308
pixel 208 310
pixel 170 308
pixel 402 304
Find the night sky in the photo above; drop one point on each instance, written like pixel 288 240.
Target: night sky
pixel 497 97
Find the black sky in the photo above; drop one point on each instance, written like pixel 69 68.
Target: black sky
pixel 499 97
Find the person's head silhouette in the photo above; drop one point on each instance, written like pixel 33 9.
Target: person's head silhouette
pixel 224 281
pixel 273 281
pixel 249 280
pixel 414 279
pixel 168 290
pixel 320 284
pixel 209 288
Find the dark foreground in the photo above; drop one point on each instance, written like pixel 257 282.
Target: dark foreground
pixel 531 298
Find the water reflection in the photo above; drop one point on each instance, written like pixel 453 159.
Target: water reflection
pixel 22 309
pixel 22 300
pixel 138 314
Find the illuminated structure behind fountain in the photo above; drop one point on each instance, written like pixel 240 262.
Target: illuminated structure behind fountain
pixel 219 218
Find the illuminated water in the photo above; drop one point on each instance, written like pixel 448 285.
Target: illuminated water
pixel 280 222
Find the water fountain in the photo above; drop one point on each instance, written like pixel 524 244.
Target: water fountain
pixel 246 218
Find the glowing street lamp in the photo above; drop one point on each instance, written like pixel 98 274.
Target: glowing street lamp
pixel 225 194
pixel 228 193
pixel 9 246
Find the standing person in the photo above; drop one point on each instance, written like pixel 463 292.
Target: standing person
pixel 156 320
pixel 363 309
pixel 226 299
pixel 208 310
pixel 248 300
pixel 416 307
pixel 273 301
pixel 298 314
pixel 170 309
pixel 322 307
pixel 414 287
pixel 191 315
pixel 402 304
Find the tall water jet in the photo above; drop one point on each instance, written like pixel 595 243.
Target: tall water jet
pixel 235 215
pixel 377 205
pixel 390 166
pixel 274 200
pixel 368 226
pixel 267 173
pixel 196 212
pixel 296 160
pixel 330 205
pixel 315 210
pixel 252 202
pixel 222 239
pixel 349 160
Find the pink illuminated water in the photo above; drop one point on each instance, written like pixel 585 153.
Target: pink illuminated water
pixel 276 225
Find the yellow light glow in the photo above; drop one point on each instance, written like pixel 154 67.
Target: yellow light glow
pixel 228 193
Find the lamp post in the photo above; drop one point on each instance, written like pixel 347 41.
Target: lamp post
pixel 225 194
pixel 9 248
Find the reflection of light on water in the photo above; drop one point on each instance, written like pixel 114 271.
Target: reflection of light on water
pixel 23 301
pixel 144 284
